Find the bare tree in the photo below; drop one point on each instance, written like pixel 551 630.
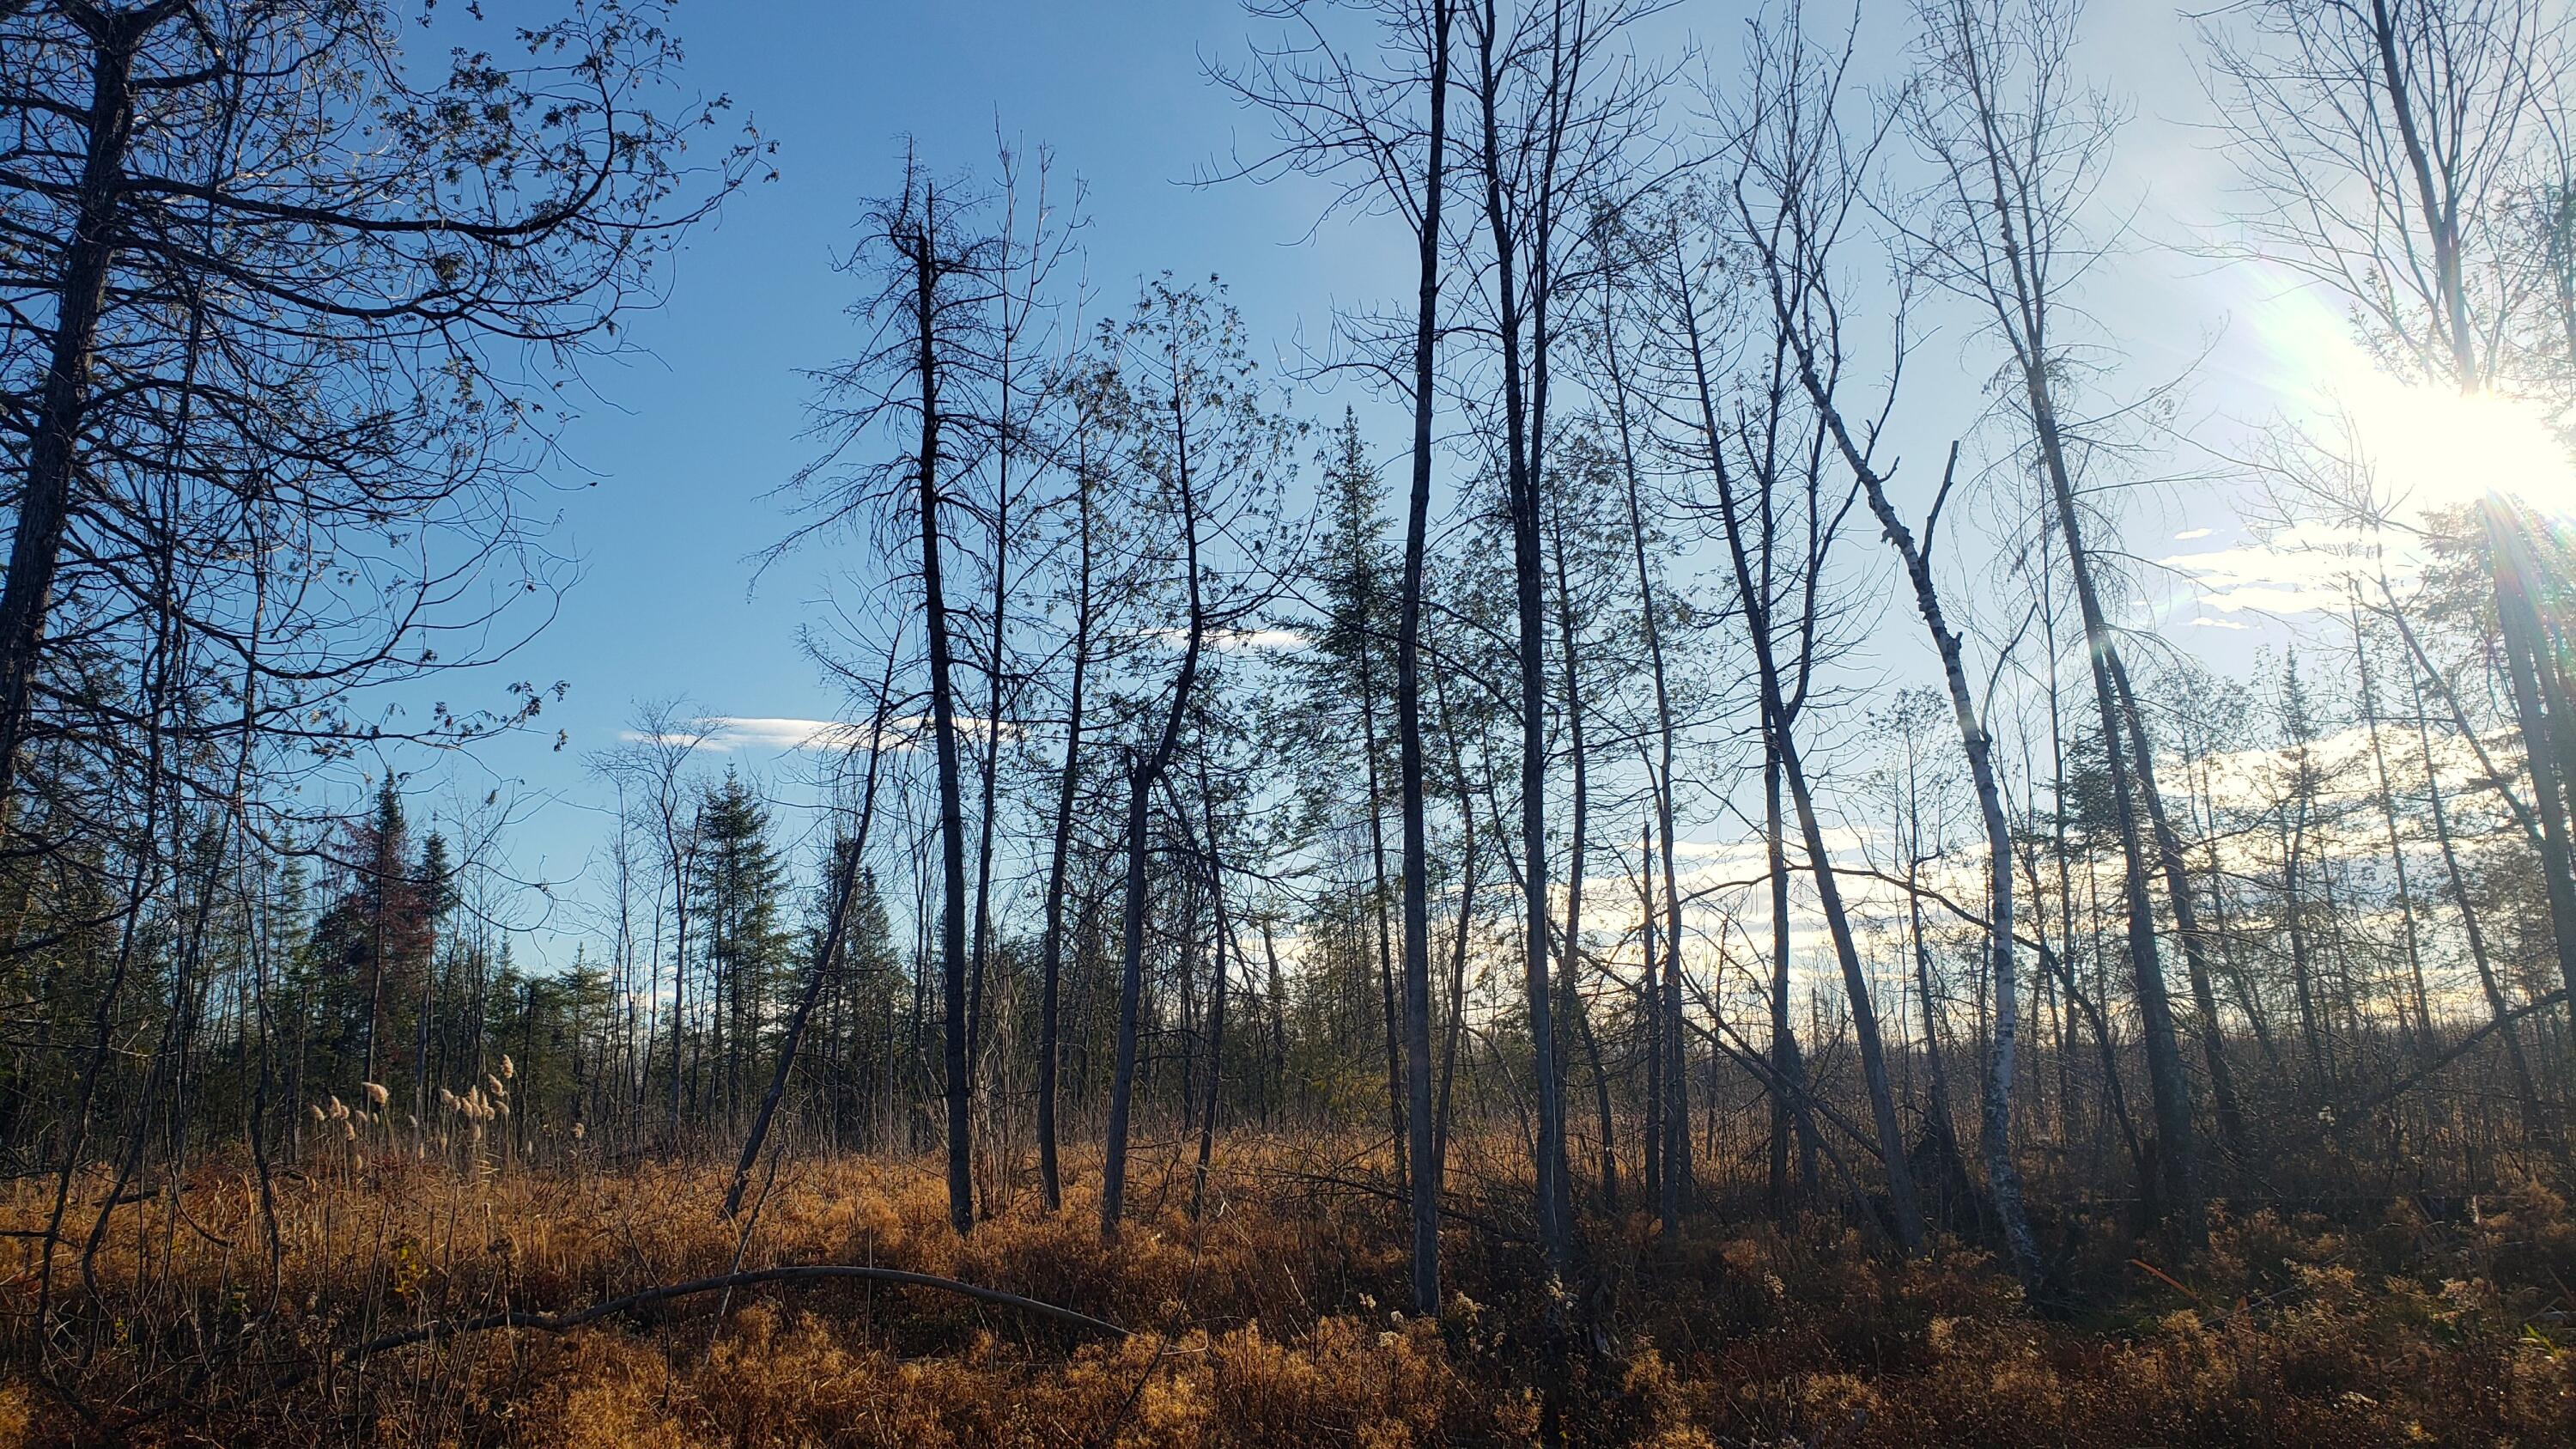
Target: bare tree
pixel 655 760
pixel 1556 110
pixel 2014 144
pixel 921 393
pixel 1798 184
pixel 1390 129
pixel 1086 393
pixel 849 872
pixel 1022 314
pixel 1782 683
pixel 2383 140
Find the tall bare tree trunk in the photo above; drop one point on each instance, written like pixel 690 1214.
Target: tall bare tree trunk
pixel 1904 1206
pixel 1569 954
pixel 991 774
pixel 1216 1007
pixel 928 364
pixel 1650 1014
pixel 1397 1138
pixel 1788 1076
pixel 1466 922
pixel 2013 278
pixel 1429 1137
pixel 1671 1044
pixel 1521 441
pixel 1051 946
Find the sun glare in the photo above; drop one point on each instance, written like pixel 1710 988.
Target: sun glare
pixel 2435 447
pixel 2428 446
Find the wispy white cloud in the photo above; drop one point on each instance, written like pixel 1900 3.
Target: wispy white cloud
pixel 729 734
pixel 2298 571
pixel 2188 534
pixel 1259 639
pixel 1234 638
pixel 757 732
pixel 1717 851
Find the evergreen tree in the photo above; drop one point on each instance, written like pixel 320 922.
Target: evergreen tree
pixel 1345 673
pixel 745 944
pixel 374 948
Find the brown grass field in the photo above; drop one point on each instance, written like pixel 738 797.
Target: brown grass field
pixel 1272 1321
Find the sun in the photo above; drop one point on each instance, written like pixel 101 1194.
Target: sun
pixel 2427 446
pixel 2435 447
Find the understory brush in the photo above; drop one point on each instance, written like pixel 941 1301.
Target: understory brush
pixel 1279 1317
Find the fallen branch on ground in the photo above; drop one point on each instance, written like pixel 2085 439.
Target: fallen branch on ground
pixel 563 1322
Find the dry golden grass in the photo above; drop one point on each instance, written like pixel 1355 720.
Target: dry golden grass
pixel 1273 1322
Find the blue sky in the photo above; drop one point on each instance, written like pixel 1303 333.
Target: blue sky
pixel 683 438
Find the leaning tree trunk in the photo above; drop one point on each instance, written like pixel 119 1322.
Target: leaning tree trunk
pixel 2131 774
pixel 2017 286
pixel 2003 1176
pixel 1903 1205
pixel 845 887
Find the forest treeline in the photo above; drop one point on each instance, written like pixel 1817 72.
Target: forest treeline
pixel 1703 744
